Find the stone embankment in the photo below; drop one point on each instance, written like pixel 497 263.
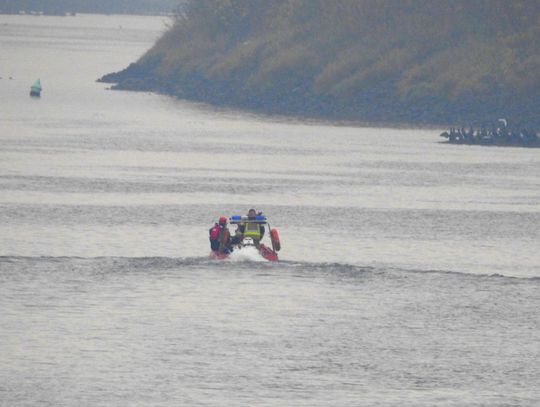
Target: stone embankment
pixel 494 135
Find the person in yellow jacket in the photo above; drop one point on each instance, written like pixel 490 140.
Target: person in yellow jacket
pixel 251 229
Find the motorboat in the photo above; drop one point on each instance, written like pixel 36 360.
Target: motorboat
pixel 233 246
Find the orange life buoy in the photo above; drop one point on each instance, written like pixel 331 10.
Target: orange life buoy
pixel 274 236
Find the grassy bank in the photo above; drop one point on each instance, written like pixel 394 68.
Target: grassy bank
pixel 415 61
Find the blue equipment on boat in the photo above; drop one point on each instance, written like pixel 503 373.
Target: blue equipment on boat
pixel 244 219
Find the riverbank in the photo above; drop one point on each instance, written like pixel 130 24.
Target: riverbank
pixel 341 63
pixel 494 135
pixel 72 7
pixel 135 80
pixel 303 105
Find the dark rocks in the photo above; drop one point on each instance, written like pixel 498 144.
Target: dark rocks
pixel 494 135
pixel 374 104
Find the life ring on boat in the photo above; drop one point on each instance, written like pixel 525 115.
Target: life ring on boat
pixel 274 236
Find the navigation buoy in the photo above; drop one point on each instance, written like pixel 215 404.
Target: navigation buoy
pixel 35 90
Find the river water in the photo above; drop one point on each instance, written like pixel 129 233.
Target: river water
pixel 409 275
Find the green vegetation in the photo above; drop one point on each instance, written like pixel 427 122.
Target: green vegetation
pixel 460 61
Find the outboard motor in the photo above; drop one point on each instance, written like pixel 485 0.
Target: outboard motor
pixel 248 241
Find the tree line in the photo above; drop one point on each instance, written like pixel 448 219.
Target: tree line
pixel 89 6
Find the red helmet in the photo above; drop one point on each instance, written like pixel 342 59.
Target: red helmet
pixel 222 220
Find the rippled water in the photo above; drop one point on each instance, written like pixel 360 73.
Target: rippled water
pixel 410 270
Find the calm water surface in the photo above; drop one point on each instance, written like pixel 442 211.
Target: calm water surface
pixel 410 272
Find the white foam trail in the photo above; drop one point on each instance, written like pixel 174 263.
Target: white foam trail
pixel 249 253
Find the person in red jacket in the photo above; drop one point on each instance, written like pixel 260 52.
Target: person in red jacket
pixel 219 236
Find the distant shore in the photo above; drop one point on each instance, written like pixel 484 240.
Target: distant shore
pixel 341 61
pixel 136 78
pixel 73 7
pixel 154 86
pixel 74 13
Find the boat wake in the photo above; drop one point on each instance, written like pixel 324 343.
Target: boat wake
pixel 247 259
pixel 249 254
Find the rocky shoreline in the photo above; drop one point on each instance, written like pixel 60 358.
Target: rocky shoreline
pixel 298 102
pixel 194 87
pixel 136 78
pixel 499 134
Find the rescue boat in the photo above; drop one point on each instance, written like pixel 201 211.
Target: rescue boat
pixel 247 243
